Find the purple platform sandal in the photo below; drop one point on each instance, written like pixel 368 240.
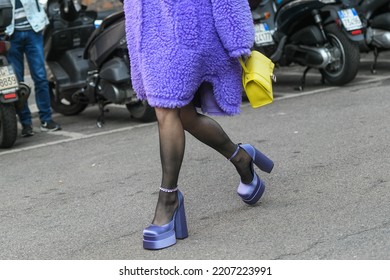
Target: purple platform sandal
pixel 251 193
pixel 160 237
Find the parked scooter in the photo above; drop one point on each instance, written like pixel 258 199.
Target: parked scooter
pixel 375 15
pixel 309 33
pixel 13 94
pixel 88 65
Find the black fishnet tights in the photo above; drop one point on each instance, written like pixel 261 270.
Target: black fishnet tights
pixel 171 125
pixel 172 144
pixel 209 132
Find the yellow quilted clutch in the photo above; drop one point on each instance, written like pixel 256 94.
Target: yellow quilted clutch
pixel 257 77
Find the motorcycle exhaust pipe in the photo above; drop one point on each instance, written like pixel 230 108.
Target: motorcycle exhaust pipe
pixel 378 37
pixel 23 95
pixel 315 57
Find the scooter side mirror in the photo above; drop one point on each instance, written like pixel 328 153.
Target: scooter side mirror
pixel 69 10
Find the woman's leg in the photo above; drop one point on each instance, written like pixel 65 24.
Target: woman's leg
pixel 172 144
pixel 209 132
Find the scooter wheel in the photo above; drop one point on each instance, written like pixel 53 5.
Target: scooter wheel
pixel 8 125
pixel 64 106
pixel 345 66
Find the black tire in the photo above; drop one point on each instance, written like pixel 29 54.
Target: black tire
pixel 8 125
pixel 64 106
pixel 344 69
pixel 142 111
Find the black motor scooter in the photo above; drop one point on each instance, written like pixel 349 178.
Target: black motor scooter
pixel 309 33
pixel 13 94
pixel 375 15
pixel 89 65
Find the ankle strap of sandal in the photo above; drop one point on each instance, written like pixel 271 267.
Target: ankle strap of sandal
pixel 235 152
pixel 168 190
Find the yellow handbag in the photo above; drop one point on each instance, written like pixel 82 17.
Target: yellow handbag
pixel 257 77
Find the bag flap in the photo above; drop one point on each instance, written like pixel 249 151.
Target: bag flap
pixel 263 81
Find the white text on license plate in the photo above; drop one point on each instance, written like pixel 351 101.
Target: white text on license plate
pixel 350 19
pixel 7 78
pixel 263 35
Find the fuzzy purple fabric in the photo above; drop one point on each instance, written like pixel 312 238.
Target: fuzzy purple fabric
pixel 176 45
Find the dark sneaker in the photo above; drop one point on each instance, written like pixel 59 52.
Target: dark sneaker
pixel 27 131
pixel 50 126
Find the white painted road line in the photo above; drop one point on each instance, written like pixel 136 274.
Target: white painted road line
pixel 74 137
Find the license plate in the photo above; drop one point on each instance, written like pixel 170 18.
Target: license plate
pixel 350 19
pixel 7 78
pixel 263 35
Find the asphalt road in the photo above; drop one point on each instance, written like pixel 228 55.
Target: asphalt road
pixel 87 192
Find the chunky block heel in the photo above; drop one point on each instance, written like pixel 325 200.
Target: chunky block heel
pixel 159 237
pixel 181 223
pixel 262 161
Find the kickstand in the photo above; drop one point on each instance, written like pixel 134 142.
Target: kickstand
pixel 373 66
pixel 303 80
pixel 323 81
pixel 100 119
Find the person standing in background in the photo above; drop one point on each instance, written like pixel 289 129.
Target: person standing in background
pixel 26 37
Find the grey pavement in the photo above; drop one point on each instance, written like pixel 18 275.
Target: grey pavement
pixel 89 193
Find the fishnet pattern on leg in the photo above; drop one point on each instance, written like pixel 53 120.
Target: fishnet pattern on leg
pixel 210 132
pixel 172 145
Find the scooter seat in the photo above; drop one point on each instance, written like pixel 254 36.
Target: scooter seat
pixel 381 21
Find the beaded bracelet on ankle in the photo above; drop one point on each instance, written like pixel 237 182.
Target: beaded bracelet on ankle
pixel 168 190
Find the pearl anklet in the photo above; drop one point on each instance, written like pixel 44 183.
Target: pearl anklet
pixel 168 190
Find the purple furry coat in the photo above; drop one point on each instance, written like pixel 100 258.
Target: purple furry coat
pixel 176 45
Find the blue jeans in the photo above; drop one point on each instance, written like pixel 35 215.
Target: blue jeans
pixel 30 43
